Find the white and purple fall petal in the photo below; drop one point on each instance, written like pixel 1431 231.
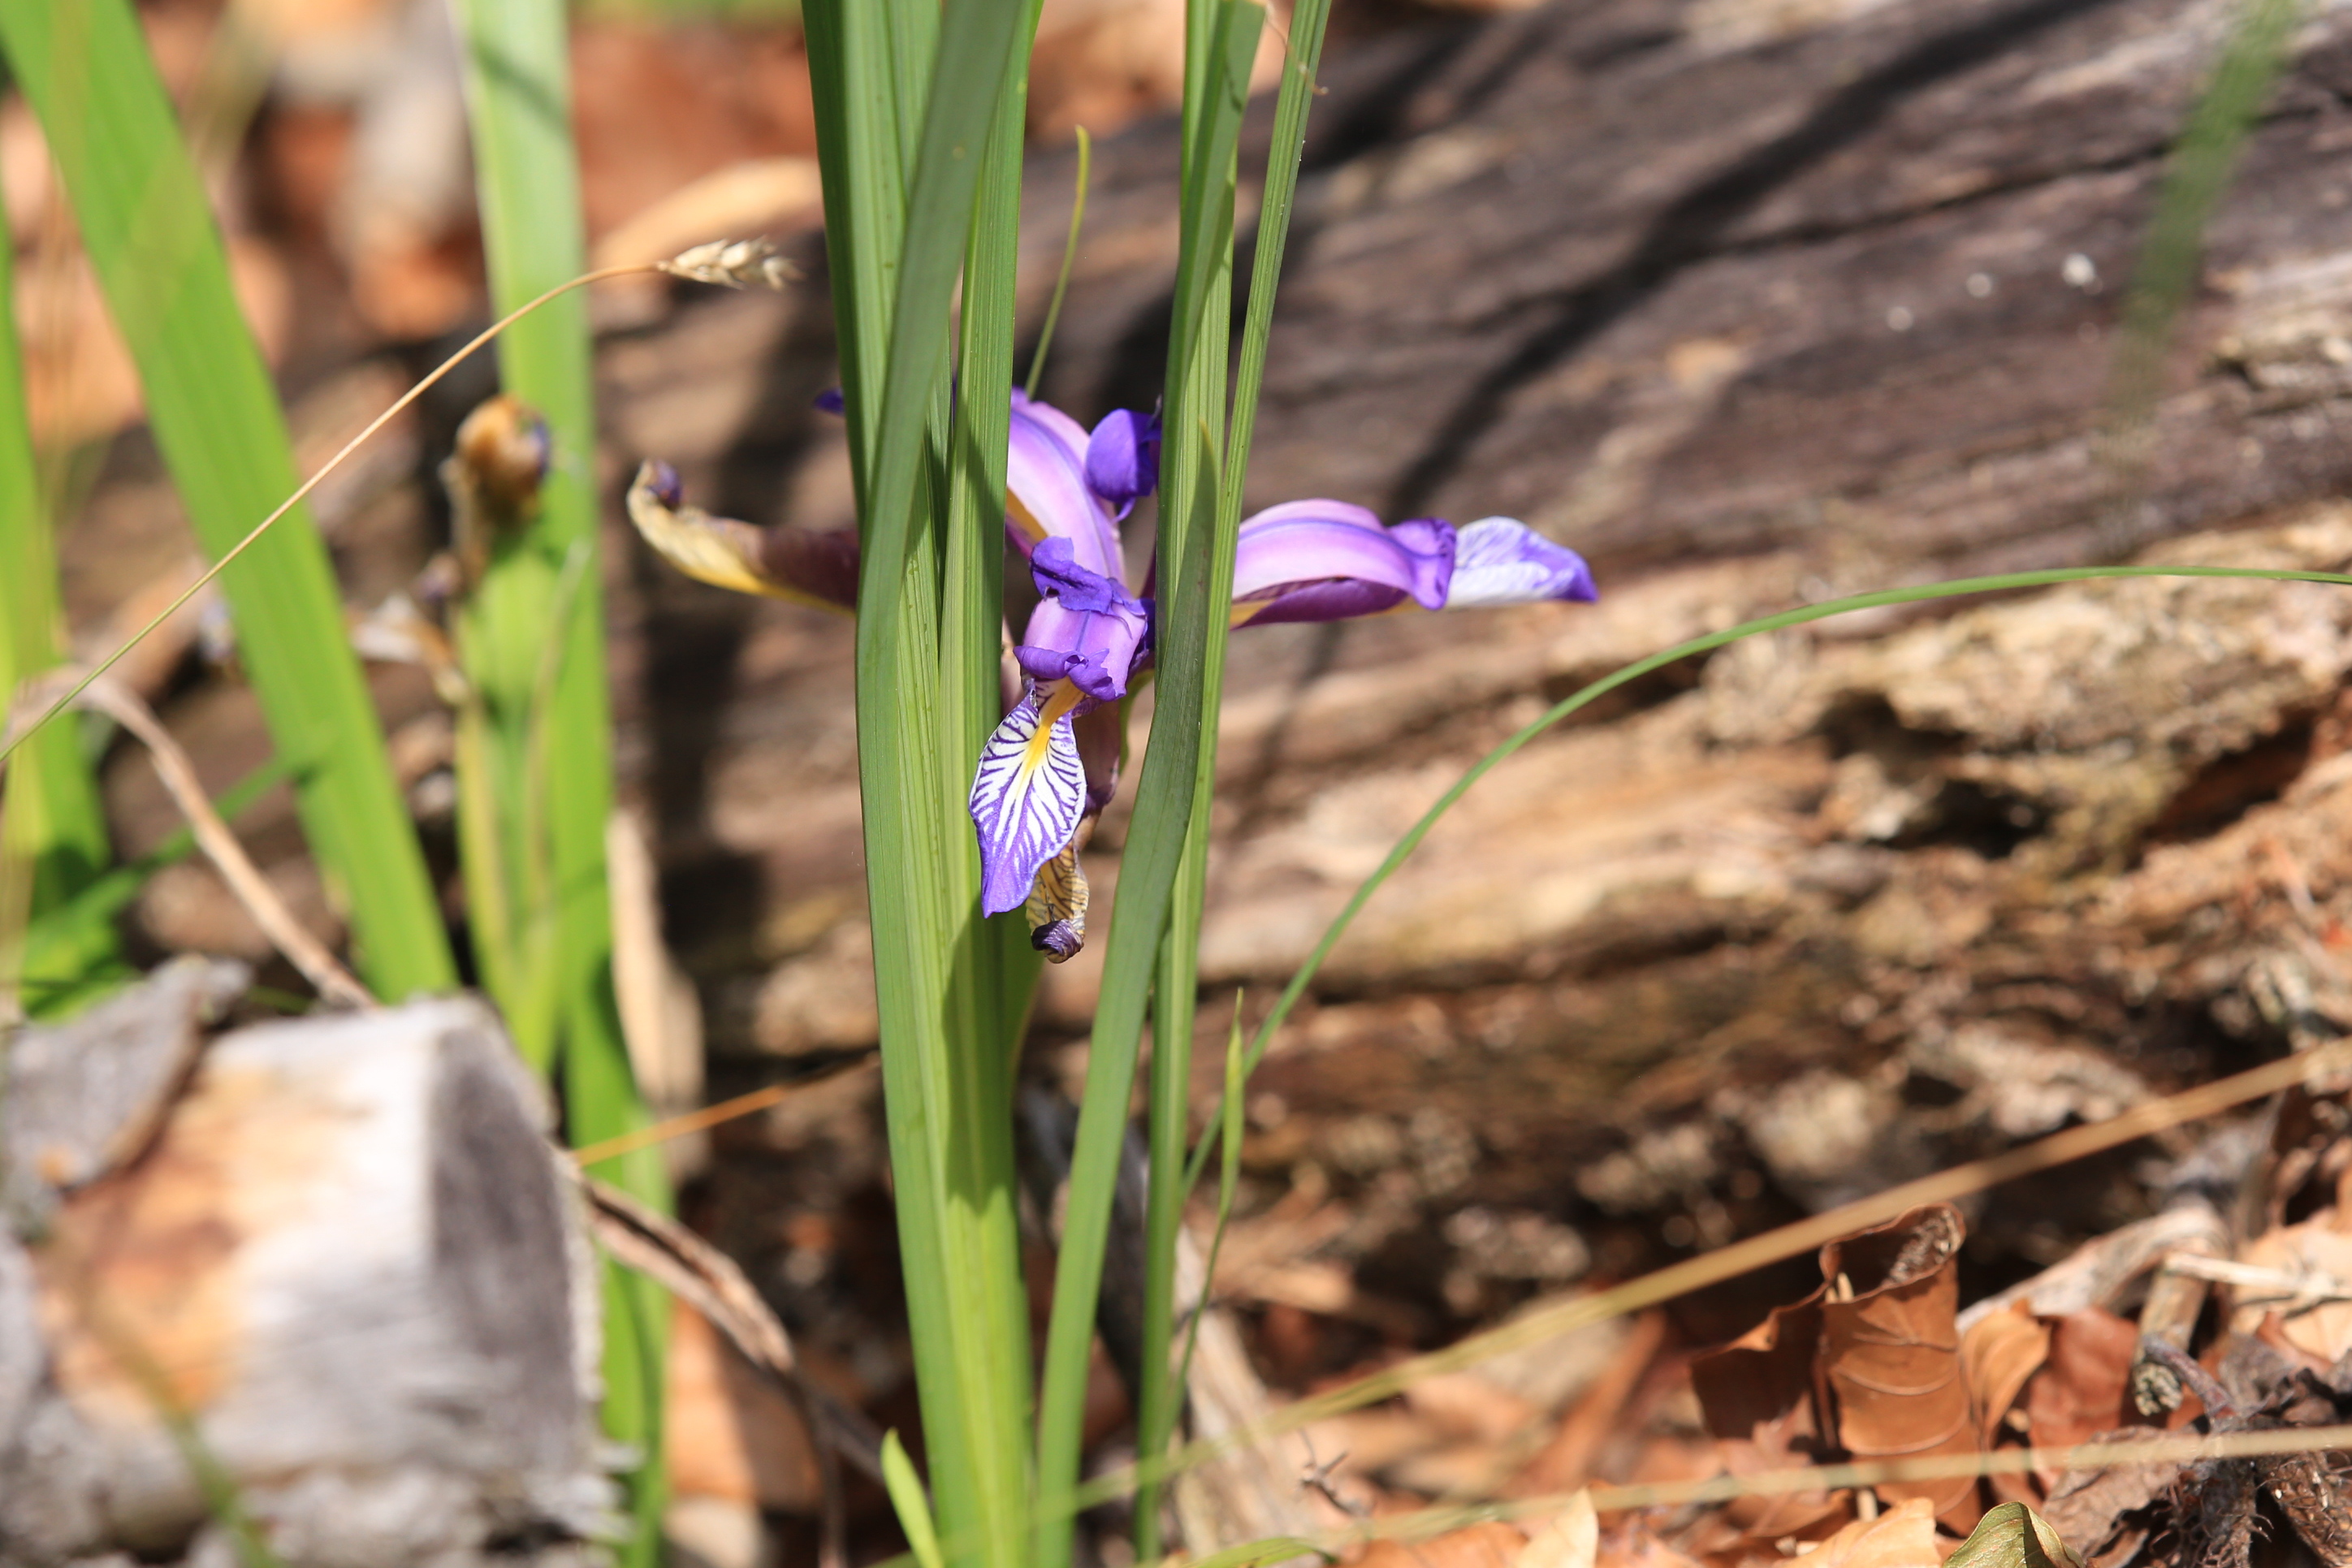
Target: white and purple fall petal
pixel 1027 796
pixel 1500 561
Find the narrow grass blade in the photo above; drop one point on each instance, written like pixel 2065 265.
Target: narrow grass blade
pixel 159 259
pixel 1172 1185
pixel 1586 695
pixel 1228 1134
pixel 53 840
pixel 1069 260
pixel 1273 1549
pixel 533 646
pixel 1195 580
pixel 907 1501
pixel 2200 171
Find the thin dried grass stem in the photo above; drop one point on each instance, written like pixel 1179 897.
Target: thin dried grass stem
pixel 710 1116
pixel 312 482
pixel 333 982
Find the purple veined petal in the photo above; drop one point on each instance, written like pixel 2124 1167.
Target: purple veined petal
pixel 807 566
pixel 1046 494
pixel 1500 561
pixel 1123 458
pixel 1027 796
pixel 1286 552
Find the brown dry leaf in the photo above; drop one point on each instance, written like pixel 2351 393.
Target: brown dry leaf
pixel 2000 1351
pixel 2318 1246
pixel 2080 1391
pixel 1489 1545
pixel 1757 1398
pixel 728 1433
pixel 1999 1356
pixel 1891 1353
pixel 1902 1537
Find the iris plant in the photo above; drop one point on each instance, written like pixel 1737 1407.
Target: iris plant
pixel 1050 767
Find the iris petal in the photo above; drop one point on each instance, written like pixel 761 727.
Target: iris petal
pixel 1046 494
pixel 807 566
pixel 1086 627
pixel 1123 458
pixel 1058 907
pixel 1326 560
pixel 1026 797
pixel 1500 561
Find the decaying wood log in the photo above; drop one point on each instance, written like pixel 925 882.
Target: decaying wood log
pixel 345 1268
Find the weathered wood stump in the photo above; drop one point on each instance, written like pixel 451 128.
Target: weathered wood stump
pixel 343 1272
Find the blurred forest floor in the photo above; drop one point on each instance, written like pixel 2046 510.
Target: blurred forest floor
pixel 1754 302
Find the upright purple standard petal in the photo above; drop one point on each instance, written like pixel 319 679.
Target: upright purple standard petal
pixel 1497 560
pixel 1046 494
pixel 1086 627
pixel 1026 797
pixel 1326 560
pixel 1123 458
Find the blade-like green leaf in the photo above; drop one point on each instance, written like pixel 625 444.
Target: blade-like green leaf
pixel 907 1501
pixel 1195 582
pixel 53 840
pixel 533 645
pixel 160 261
pixel 912 107
pixel 1177 983
pixel 61 938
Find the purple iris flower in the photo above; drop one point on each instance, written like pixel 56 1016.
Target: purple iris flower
pixel 1304 561
pixel 1050 767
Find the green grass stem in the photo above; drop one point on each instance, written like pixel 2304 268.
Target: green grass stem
pixel 53 837
pixel 1069 260
pixel 1194 583
pixel 531 639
